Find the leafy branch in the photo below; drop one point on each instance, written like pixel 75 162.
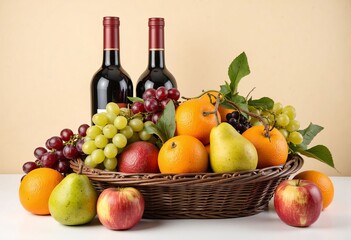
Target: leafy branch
pixel 238 69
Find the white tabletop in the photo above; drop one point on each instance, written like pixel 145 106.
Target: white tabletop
pixel 334 223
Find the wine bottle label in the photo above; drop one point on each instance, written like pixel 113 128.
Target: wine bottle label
pixel 100 110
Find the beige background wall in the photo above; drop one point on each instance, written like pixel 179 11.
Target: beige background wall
pixel 299 53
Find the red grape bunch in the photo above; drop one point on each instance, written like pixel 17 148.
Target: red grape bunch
pixel 58 151
pixel 154 102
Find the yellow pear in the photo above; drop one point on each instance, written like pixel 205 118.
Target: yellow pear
pixel 230 151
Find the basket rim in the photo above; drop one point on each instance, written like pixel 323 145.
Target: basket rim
pixel 293 164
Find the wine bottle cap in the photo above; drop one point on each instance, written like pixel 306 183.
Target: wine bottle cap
pixel 111 33
pixel 111 21
pixel 156 21
pixel 156 33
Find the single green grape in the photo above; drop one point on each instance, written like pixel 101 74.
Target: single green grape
pixel 112 107
pixel 127 131
pixel 111 117
pixel 144 135
pixel 109 131
pixel 148 123
pixel 253 121
pixel 93 131
pixel 295 138
pixel 139 116
pixel 101 141
pixel 266 113
pixel 282 120
pixel 284 132
pixel 110 150
pixel 293 125
pixel 88 162
pixel 268 116
pixel 110 163
pixel 270 119
pixel 97 156
pixel 120 122
pixel 87 139
pixel 100 119
pixel 289 111
pixel 255 111
pixel 136 124
pixel 88 147
pixel 119 140
pixel 277 107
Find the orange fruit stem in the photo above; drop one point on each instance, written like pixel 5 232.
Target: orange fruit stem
pixel 215 111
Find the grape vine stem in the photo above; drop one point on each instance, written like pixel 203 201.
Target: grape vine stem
pixel 220 98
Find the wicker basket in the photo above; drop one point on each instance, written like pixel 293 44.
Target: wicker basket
pixel 205 195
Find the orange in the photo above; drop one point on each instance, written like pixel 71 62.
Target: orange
pixel 183 154
pixel 322 181
pixel 194 118
pixel 35 189
pixel 272 151
pixel 211 97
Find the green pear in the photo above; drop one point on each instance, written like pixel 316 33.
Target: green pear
pixel 73 200
pixel 230 151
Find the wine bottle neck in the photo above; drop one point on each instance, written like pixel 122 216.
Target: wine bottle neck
pixel 111 57
pixel 156 59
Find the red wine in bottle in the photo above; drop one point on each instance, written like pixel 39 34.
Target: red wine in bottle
pixel 156 74
pixel 111 83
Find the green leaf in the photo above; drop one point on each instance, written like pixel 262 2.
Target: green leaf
pixel 238 69
pixel 167 120
pixel 309 133
pixel 264 103
pixel 153 129
pixel 319 152
pixel 238 99
pixel 225 89
pixel 135 99
pixel 165 126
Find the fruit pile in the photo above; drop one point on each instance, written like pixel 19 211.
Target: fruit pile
pixel 217 131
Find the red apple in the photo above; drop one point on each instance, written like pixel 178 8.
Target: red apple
pixel 139 157
pixel 120 208
pixel 298 202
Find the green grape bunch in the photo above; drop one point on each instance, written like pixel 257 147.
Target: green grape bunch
pixel 283 118
pixel 110 133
